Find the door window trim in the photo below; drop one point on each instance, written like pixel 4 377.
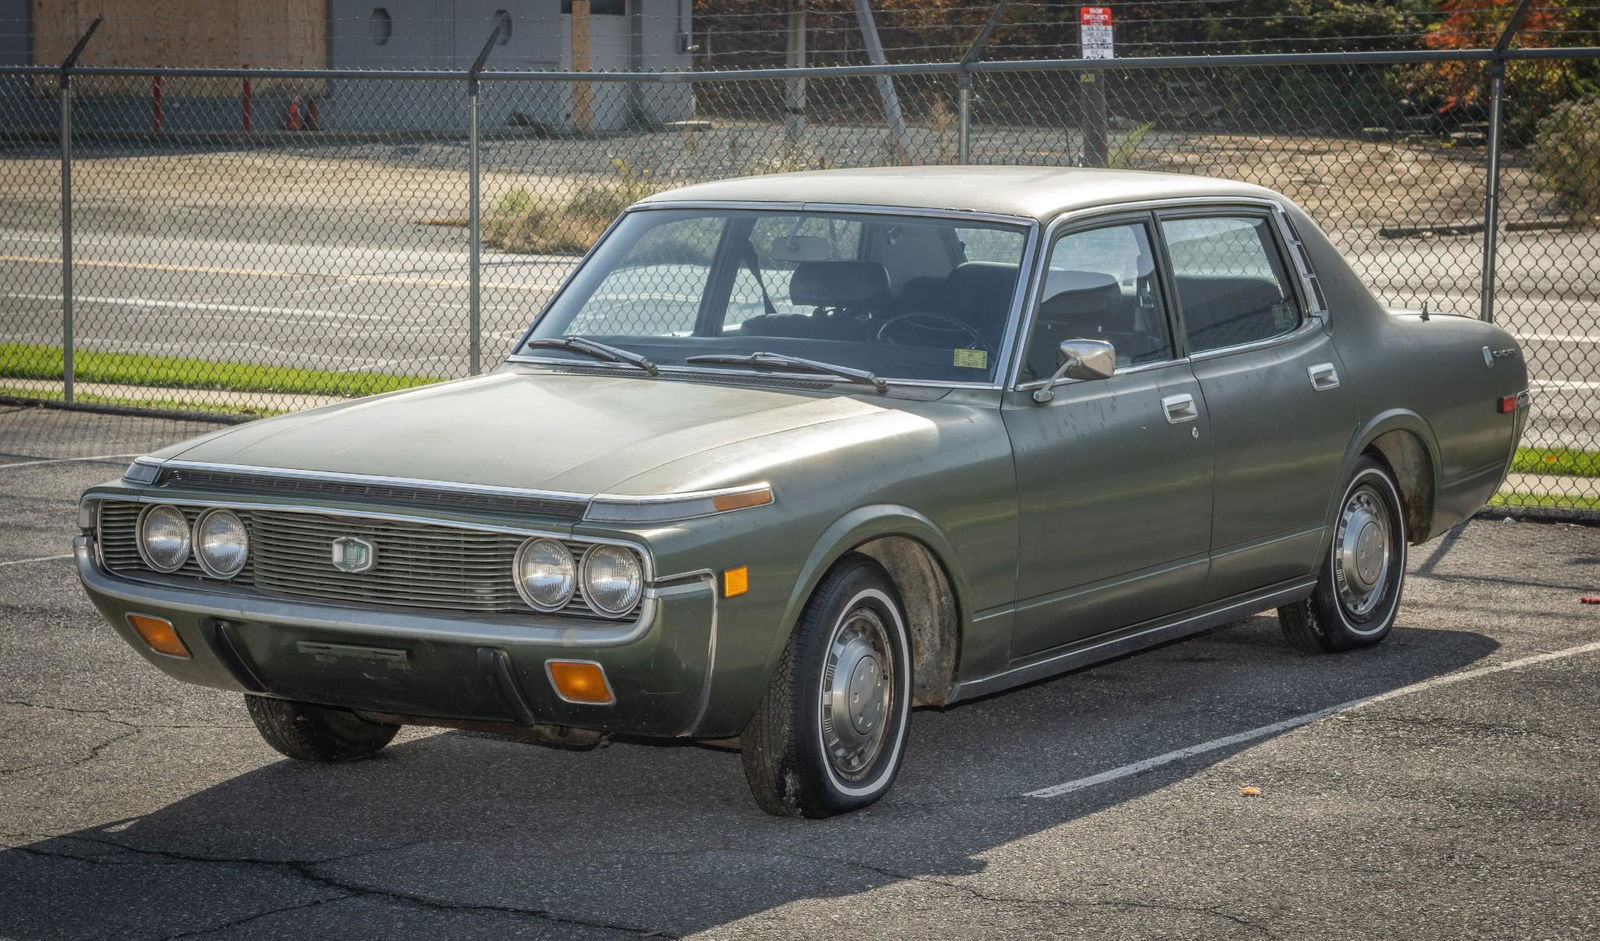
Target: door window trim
pixel 1086 218
pixel 1116 216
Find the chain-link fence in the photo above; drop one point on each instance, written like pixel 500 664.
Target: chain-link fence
pixel 235 242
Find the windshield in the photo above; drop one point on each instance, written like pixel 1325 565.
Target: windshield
pixel 902 297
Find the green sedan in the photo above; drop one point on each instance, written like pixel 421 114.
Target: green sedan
pixel 788 456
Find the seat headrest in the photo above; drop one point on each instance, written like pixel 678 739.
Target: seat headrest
pixel 971 280
pixel 839 284
pixel 1070 295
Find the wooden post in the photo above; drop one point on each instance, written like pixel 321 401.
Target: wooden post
pixel 582 105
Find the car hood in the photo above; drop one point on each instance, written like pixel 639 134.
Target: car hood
pixel 572 433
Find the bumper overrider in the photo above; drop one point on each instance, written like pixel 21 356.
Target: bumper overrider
pixel 426 664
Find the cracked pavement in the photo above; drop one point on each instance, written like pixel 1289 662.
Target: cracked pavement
pixel 132 806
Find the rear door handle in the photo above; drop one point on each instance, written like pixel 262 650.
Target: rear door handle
pixel 1180 408
pixel 1323 376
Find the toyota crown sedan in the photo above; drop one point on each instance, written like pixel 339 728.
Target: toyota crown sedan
pixel 789 456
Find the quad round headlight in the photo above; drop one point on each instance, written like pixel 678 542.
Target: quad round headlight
pixel 613 580
pixel 164 538
pixel 546 574
pixel 222 544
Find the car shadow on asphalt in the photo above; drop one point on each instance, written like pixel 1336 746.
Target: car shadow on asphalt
pixel 636 839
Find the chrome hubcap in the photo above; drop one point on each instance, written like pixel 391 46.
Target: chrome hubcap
pixel 1363 552
pixel 857 693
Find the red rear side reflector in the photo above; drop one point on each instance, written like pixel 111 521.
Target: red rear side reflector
pixel 1508 403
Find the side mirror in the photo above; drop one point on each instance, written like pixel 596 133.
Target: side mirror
pixel 1080 359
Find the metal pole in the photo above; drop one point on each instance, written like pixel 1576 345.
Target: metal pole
pixel 474 240
pixel 964 119
pixel 891 101
pixel 67 366
pixel 474 352
pixel 794 89
pixel 1491 202
pixel 1491 189
pixel 964 83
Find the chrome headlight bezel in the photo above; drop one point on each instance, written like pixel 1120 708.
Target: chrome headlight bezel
pixel 517 577
pixel 199 543
pixel 592 557
pixel 141 540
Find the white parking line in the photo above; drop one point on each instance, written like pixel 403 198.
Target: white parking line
pixel 1557 337
pixel 70 460
pixel 43 558
pixel 1564 384
pixel 159 304
pixel 1139 767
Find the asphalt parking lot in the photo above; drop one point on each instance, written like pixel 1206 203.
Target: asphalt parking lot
pixel 1445 784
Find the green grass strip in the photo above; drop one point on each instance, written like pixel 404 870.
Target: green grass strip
pixel 36 361
pixel 1565 462
pixel 1555 500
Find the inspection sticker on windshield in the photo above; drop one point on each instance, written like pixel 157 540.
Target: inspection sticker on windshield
pixel 972 359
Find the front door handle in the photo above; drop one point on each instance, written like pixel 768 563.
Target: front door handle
pixel 1323 376
pixel 1180 408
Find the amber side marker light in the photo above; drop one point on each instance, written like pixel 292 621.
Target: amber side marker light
pixel 159 634
pixel 735 582
pixel 580 681
pixel 761 496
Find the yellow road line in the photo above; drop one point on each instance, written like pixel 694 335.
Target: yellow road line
pixel 268 273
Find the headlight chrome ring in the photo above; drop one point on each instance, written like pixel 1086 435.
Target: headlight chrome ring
pixel 164 538
pixel 613 579
pixel 545 573
pixel 222 543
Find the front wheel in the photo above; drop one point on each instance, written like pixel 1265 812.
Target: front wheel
pixel 1358 586
pixel 830 732
pixel 306 732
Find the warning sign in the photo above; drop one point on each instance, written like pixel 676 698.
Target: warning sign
pixel 1094 29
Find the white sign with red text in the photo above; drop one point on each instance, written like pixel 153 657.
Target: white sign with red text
pixel 1094 30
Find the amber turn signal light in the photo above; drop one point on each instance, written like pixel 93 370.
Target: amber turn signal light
pixel 580 681
pixel 759 496
pixel 159 634
pixel 735 582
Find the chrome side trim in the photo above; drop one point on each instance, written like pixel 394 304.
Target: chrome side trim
pixel 376 479
pixel 1130 641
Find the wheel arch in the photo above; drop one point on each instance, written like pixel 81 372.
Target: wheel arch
pixel 1405 443
pixel 916 554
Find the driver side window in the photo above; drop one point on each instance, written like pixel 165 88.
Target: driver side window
pixel 1100 285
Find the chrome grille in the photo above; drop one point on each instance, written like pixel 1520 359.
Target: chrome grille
pixel 419 565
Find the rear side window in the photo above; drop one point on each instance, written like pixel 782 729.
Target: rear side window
pixel 1232 284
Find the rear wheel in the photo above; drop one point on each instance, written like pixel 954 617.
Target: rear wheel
pixel 317 733
pixel 830 732
pixel 1359 584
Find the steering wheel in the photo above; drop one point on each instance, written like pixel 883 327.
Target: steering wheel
pixel 939 323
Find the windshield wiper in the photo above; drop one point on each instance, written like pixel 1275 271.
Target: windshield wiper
pixel 781 361
pixel 598 350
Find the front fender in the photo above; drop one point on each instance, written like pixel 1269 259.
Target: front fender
pixel 852 529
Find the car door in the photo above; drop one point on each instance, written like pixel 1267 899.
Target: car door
pixel 1114 475
pixel 1281 416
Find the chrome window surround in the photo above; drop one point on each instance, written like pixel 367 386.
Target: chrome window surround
pixel 1008 342
pixel 1318 315
pixel 642 613
pixel 612 500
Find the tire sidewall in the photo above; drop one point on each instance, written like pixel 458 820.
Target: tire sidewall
pixel 1342 629
pixel 865 586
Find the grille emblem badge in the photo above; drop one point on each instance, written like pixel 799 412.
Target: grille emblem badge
pixel 354 555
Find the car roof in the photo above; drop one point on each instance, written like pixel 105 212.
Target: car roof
pixel 1030 192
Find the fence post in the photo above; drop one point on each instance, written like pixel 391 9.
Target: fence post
pixel 794 89
pixel 474 277
pixel 1491 190
pixel 68 367
pixel 964 88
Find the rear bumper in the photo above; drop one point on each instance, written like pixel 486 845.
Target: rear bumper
pixel 409 663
